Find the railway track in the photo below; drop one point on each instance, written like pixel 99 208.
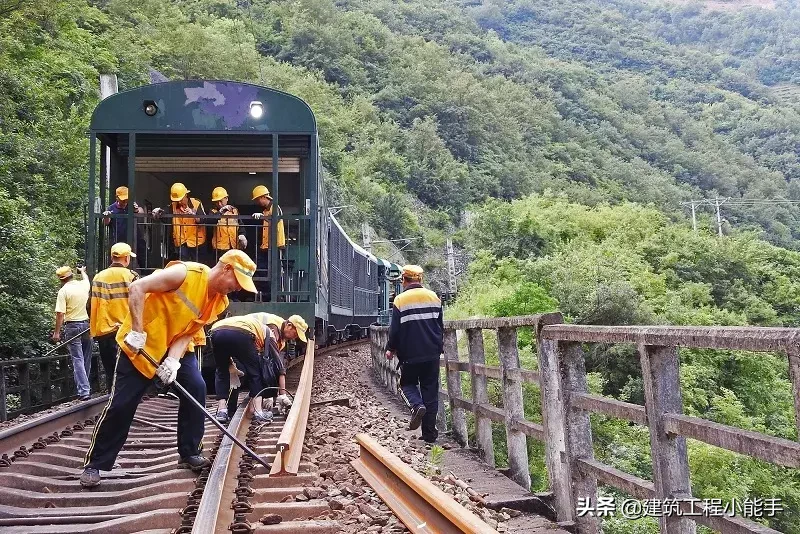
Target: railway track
pixel 146 493
pixel 41 462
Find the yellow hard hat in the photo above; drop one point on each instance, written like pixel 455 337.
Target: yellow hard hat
pixel 300 324
pixel 412 272
pixel 243 267
pixel 260 191
pixel 120 250
pixel 64 272
pixel 218 194
pixel 177 192
pixel 122 193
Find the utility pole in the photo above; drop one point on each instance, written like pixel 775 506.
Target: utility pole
pixel 365 237
pixel 694 218
pixel 717 203
pixel 451 268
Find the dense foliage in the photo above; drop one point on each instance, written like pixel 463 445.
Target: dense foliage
pixel 627 264
pixel 432 110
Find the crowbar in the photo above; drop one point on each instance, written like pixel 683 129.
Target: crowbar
pixel 210 417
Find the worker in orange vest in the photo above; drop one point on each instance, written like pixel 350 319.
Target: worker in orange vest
pixel 263 198
pixel 188 231
pixel 167 308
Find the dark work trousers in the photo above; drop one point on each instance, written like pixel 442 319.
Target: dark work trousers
pixel 129 385
pixel 241 346
pixel 198 254
pixel 419 383
pixel 108 355
pixel 263 271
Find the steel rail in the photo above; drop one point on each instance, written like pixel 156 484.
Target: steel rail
pixel 416 501
pixel 290 442
pixel 15 437
pixel 211 510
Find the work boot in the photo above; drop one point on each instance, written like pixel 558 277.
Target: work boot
pixel 417 413
pixel 90 477
pixel 222 417
pixel 195 463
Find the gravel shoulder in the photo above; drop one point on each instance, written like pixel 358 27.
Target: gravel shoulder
pixel 331 446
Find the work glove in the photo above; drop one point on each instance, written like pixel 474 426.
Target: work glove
pixel 284 403
pixel 242 242
pixel 106 213
pixel 235 373
pixel 157 212
pixel 258 216
pixel 136 340
pixel 168 370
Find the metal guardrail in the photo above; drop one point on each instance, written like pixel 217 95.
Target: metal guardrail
pixel 416 501
pixel 566 403
pixel 39 383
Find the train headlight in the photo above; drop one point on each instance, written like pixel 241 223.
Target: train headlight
pixel 256 109
pixel 150 108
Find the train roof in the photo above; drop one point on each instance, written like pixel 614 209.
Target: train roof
pixel 204 106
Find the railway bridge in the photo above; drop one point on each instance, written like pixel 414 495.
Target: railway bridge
pixel 341 461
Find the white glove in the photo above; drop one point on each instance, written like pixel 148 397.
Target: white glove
pixel 235 373
pixel 136 340
pixel 258 216
pixel 168 370
pixel 283 403
pixel 242 242
pixel 235 382
pixel 157 212
pixel 106 213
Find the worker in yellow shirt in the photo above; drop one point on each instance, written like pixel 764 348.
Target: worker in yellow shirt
pixel 167 308
pixel 72 315
pixel 109 305
pixel 245 343
pixel 264 200
pixel 188 231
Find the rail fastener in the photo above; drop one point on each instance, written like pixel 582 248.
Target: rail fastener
pixel 416 501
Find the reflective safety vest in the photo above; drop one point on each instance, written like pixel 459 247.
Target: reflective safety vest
pixel 199 340
pixel 248 323
pixel 272 319
pixel 226 233
pixel 173 314
pixel 281 239
pixel 109 304
pixel 186 230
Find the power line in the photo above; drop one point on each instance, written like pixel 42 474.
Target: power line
pixel 719 201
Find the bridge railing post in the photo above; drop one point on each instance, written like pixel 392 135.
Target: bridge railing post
pixel 458 414
pixel 480 396
pixel 514 406
pixel 662 391
pixel 794 374
pixel 3 400
pixel 578 434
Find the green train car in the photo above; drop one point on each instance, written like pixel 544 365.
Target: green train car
pixel 206 134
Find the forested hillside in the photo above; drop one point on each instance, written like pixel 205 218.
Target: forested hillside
pixel 566 133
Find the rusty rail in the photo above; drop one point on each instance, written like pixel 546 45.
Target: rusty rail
pixel 290 442
pixel 565 429
pixel 416 501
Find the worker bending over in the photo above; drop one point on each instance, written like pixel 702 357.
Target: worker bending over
pixel 109 305
pixel 167 309
pixel 245 343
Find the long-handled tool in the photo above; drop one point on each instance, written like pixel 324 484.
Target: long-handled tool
pixel 211 418
pixel 65 343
